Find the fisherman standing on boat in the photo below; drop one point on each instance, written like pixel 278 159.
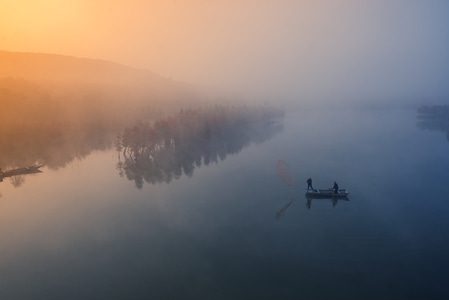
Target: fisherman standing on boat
pixel 335 188
pixel 309 183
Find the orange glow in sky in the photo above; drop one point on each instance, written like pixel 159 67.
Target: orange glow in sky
pixel 266 45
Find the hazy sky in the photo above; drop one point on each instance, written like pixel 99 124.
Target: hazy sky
pixel 366 49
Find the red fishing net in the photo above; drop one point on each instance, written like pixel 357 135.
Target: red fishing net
pixel 285 172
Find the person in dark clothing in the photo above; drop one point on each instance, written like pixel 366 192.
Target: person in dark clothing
pixel 309 183
pixel 335 188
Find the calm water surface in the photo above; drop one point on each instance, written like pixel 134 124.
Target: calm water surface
pixel 234 229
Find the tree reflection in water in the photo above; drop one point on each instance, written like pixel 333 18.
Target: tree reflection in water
pixel 434 117
pixel 164 150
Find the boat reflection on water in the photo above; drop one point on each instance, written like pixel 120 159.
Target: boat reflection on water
pixel 333 200
pixel 17 175
pixel 168 148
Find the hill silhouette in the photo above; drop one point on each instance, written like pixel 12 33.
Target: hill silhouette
pixel 66 73
pixel 79 87
pixel 53 67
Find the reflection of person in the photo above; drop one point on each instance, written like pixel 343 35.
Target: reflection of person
pixel 309 183
pixel 335 187
pixel 309 202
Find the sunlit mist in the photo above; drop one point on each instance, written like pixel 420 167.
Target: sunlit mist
pixel 165 149
pixel 365 50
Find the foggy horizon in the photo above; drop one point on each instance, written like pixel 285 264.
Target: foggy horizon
pixel 297 51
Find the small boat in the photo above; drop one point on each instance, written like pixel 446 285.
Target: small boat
pixel 328 193
pixel 21 171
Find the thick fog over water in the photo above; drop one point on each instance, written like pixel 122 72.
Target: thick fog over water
pixel 194 206
pixel 160 149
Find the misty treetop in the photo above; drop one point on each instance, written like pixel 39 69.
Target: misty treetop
pixel 434 117
pixel 434 112
pixel 167 148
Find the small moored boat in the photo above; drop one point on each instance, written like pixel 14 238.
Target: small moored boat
pixel 328 193
pixel 20 171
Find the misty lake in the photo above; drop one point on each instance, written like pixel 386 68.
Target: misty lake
pixel 232 228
